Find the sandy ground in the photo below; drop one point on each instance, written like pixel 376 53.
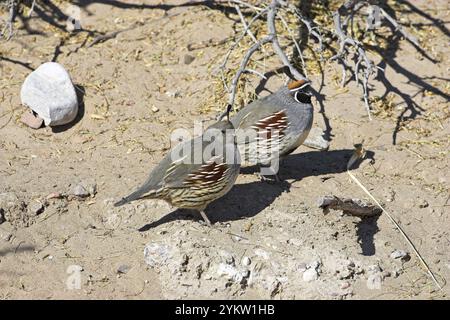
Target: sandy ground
pixel 268 234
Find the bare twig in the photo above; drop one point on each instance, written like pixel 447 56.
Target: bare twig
pixel 363 62
pixel 235 44
pixel 273 7
pixel 294 40
pixel 32 8
pixel 244 23
pixel 399 28
pixel 271 11
pixel 11 5
pixel 241 70
pixel 355 207
pixel 308 24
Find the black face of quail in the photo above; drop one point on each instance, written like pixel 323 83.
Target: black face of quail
pixel 300 91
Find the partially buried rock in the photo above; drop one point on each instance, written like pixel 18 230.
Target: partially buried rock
pixel 123 268
pixel 83 190
pixel 80 191
pixel 310 275
pixel 188 59
pixel 32 120
pixel 49 92
pixel 157 254
pixel 35 208
pixel 315 140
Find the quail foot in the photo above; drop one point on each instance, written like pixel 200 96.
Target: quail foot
pixel 272 127
pixel 195 172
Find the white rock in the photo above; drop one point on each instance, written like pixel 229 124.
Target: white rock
pixel 157 254
pixel 246 261
pixel 261 253
pixel 49 92
pixel 232 273
pixel 374 281
pixel 226 257
pixel 310 275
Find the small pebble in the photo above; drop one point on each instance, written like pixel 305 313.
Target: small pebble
pixel 423 204
pixel 173 94
pixel 400 254
pixel 122 269
pixel 310 275
pixel 35 208
pixel 80 191
pixel 302 267
pixel 188 59
pixel 246 261
pixel 54 195
pixel 345 285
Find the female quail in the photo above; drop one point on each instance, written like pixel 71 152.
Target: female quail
pixel 279 123
pixel 195 172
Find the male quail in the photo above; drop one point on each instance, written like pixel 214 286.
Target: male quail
pixel 280 123
pixel 195 172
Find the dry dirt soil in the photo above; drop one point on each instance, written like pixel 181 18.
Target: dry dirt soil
pixel 271 240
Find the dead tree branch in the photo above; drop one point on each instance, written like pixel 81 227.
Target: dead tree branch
pixel 272 37
pixel 354 207
pixel 363 63
pixel 11 5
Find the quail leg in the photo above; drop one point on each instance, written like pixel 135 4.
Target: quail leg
pixel 202 212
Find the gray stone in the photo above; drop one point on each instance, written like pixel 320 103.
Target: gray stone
pixel 49 92
pixel 315 140
pixel 35 208
pixel 122 269
pixel 188 59
pixel 80 191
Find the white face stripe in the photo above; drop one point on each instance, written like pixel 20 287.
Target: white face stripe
pixel 301 87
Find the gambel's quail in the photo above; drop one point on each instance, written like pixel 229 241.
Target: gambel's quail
pixel 195 172
pixel 274 126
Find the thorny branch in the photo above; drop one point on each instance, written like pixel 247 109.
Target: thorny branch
pixel 272 37
pixel 349 47
pixel 363 62
pixel 11 6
